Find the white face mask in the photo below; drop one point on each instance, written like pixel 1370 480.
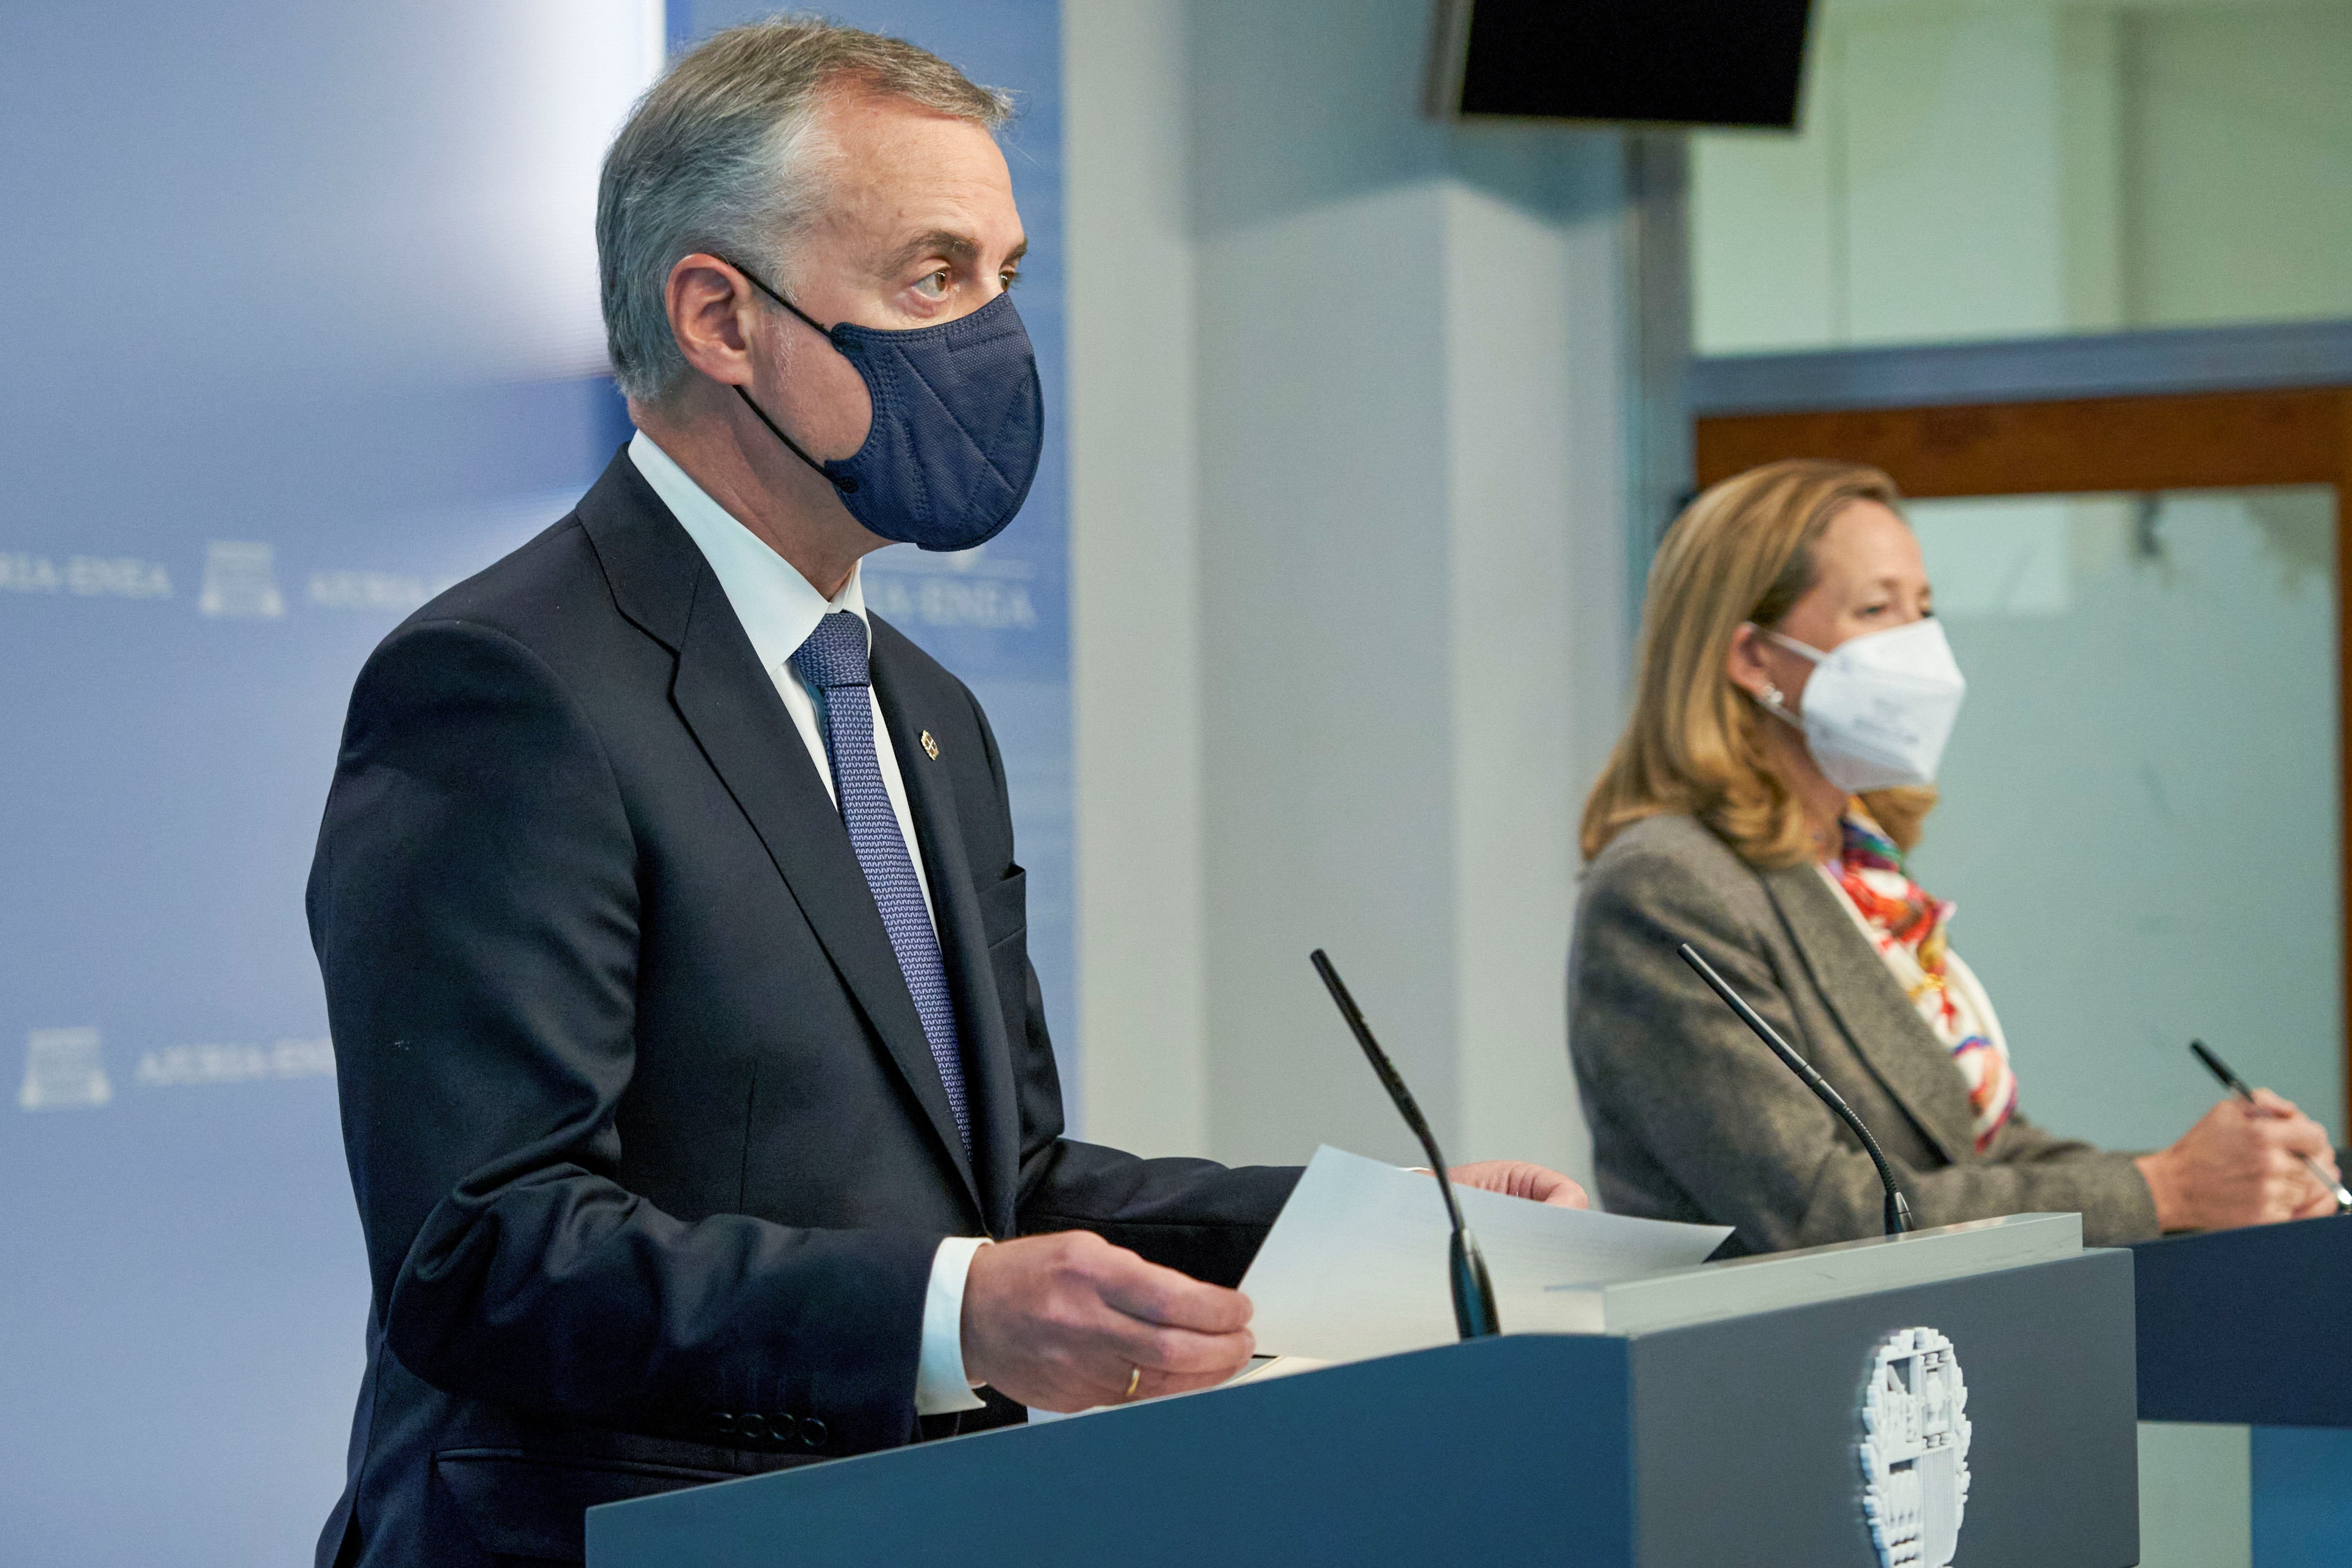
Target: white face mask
pixel 1878 707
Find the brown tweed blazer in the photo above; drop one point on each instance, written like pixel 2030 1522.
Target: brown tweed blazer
pixel 1694 1119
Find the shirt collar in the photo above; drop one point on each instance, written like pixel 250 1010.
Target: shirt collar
pixel 771 597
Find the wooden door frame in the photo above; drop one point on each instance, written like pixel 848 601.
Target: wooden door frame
pixel 2231 440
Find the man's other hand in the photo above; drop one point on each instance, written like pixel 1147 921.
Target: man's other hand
pixel 1065 1322
pixel 1518 1178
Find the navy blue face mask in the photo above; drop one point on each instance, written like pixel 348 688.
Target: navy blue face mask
pixel 959 421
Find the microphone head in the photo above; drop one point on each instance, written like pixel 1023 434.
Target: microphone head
pixel 1390 1080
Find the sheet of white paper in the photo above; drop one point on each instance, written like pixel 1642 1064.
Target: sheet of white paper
pixel 1355 1265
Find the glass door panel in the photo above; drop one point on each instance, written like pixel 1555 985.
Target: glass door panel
pixel 2141 809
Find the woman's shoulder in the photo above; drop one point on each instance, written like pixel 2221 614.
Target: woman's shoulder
pixel 1668 841
pixel 1668 861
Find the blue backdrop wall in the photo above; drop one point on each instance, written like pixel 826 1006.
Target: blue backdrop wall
pixel 298 317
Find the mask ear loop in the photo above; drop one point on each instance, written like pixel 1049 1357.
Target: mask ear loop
pixel 1772 699
pixel 841 482
pixel 1804 651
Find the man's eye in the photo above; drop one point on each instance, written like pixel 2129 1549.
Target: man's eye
pixel 934 286
pixel 1009 277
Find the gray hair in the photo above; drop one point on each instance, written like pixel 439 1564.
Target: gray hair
pixel 725 153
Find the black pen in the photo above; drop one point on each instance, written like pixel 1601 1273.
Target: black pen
pixel 2237 1085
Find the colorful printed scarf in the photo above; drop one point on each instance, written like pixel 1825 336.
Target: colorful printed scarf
pixel 1907 927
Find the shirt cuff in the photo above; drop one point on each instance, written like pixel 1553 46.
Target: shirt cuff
pixel 940 1386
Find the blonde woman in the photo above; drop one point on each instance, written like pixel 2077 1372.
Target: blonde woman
pixel 1792 698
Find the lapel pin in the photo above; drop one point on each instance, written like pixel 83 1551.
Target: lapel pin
pixel 930 746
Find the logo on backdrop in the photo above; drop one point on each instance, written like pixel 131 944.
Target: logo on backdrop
pixel 1915 1450
pixel 90 576
pixel 982 589
pixel 961 588
pixel 64 1071
pixel 240 582
pixel 397 591
pixel 178 1064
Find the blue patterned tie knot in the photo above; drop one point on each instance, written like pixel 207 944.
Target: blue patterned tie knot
pixel 835 655
pixel 833 661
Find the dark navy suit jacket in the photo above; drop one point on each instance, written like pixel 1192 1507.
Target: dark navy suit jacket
pixel 650 1153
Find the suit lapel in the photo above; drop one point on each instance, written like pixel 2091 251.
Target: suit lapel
pixel 1886 1030
pixel 964 939
pixel 728 701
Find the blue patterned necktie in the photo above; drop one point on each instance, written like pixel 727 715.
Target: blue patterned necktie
pixel 833 660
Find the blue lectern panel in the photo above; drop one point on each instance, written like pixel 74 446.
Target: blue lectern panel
pixel 1736 1441
pixel 1302 1471
pixel 2237 1326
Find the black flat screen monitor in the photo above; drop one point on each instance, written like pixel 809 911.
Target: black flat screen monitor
pixel 1735 63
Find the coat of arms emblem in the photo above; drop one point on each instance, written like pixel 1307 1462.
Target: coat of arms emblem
pixel 1915 1450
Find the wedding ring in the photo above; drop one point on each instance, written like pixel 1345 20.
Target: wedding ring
pixel 1134 1381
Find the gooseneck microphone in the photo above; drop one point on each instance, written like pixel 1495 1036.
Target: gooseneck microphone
pixel 1899 1209
pixel 1473 1293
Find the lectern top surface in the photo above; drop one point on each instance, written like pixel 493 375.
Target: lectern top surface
pixel 2046 1229
pixel 1778 1280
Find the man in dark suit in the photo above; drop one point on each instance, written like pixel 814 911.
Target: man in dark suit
pixel 696 1085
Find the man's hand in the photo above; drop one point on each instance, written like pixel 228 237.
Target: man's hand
pixel 2237 1165
pixel 1518 1178
pixel 1063 1322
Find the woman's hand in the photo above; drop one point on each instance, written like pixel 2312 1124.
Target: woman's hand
pixel 2237 1165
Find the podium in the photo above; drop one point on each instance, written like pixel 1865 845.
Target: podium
pixel 2236 1326
pixel 1717 1417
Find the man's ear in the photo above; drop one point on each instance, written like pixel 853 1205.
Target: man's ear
pixel 710 307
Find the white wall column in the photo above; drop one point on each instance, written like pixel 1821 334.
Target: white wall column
pixel 1535 437
pixel 1399 398
pixel 1135 628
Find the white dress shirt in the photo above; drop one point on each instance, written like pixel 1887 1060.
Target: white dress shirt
pixel 779 608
